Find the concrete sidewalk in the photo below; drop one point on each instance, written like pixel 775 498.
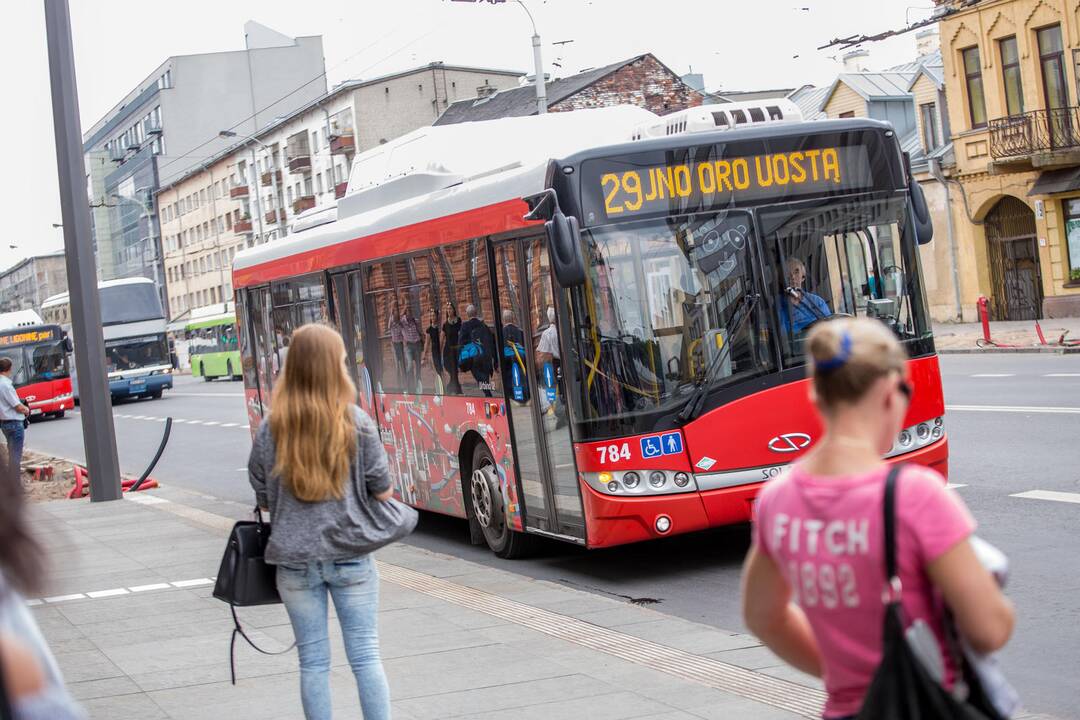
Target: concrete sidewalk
pixel 131 620
pixel 964 337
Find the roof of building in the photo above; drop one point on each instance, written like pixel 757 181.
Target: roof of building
pixel 28 260
pixel 521 101
pixel 932 59
pixel 337 90
pixel 809 99
pixel 936 75
pixel 741 95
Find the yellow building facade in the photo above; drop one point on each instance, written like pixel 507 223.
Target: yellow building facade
pixel 1010 72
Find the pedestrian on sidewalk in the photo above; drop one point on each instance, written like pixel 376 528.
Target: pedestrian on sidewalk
pixel 13 416
pixel 318 464
pixel 814 578
pixel 31 681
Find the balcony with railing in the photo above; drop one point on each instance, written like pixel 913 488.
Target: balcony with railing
pixel 340 189
pixel 302 203
pixel 271 216
pixel 239 191
pixel 242 226
pixel 268 178
pixel 298 153
pixel 1036 139
pixel 342 135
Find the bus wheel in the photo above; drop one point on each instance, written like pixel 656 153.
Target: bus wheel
pixel 156 395
pixel 207 378
pixel 488 510
pixel 229 371
pixel 59 414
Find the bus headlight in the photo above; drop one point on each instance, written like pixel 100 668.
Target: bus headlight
pixel 631 480
pixel 682 479
pixel 918 436
pixel 657 479
pixel 640 483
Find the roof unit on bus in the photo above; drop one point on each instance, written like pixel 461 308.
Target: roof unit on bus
pixel 19 318
pixel 436 158
pixel 314 217
pixel 725 116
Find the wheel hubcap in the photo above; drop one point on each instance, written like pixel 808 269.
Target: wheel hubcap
pixel 483 503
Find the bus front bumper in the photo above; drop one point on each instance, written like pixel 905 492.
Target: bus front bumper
pixel 143 385
pixel 52 405
pixel 620 520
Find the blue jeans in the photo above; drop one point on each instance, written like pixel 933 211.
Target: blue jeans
pixel 14 434
pixel 354 586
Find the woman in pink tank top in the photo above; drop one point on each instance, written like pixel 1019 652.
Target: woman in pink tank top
pixel 814 578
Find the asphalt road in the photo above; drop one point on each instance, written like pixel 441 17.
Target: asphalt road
pixel 1015 446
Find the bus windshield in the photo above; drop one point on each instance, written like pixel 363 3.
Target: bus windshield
pixel 720 298
pixel 136 352
pixel 48 361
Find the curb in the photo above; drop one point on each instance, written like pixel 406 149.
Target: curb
pixel 1010 351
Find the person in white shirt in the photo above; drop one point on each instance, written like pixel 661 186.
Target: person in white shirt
pixel 547 352
pixel 12 415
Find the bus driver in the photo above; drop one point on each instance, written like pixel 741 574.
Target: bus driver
pixel 799 308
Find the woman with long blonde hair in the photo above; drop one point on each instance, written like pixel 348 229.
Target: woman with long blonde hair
pixel 318 465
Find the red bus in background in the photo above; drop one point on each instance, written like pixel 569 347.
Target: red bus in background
pixel 582 325
pixel 40 373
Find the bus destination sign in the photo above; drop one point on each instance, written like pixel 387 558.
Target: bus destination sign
pixel 628 189
pixel 30 336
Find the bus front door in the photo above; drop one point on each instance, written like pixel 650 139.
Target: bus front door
pixel 531 380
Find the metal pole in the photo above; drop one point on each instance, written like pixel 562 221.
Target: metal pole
pixel 278 210
pixel 99 435
pixel 935 172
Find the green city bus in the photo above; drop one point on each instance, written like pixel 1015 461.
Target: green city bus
pixel 213 347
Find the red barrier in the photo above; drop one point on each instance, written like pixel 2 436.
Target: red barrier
pixel 984 318
pixel 82 484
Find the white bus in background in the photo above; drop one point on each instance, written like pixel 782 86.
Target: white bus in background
pixel 133 324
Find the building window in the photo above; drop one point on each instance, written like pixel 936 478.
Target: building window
pixel 1052 59
pixel 973 80
pixel 848 114
pixel 1010 69
pixel 928 114
pixel 1072 233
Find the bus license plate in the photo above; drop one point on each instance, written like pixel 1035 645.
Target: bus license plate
pixel 35 411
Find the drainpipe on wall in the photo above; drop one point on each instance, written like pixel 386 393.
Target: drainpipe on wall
pixel 935 172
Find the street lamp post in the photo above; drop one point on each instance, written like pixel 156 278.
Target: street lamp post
pixel 273 177
pixel 538 62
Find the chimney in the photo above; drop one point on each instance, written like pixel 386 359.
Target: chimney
pixel 927 41
pixel 855 61
pixel 485 91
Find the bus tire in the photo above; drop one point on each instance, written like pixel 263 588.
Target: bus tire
pixel 486 508
pixel 59 414
pixel 156 395
pixel 207 378
pixel 229 371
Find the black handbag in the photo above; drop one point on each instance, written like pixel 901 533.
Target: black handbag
pixel 902 688
pixel 246 579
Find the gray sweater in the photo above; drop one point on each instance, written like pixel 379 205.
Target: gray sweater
pixel 309 531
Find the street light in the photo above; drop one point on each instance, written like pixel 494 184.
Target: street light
pixel 538 63
pixel 273 180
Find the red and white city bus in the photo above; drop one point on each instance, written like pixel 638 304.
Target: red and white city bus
pixel 38 353
pixel 639 291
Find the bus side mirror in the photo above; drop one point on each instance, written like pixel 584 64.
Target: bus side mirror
pixel 564 243
pixel 924 227
pixel 68 345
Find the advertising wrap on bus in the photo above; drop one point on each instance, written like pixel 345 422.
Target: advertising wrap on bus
pixel 654 388
pixel 40 370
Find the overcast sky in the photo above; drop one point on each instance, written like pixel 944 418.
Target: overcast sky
pixel 761 44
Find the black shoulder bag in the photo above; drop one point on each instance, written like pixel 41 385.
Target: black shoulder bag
pixel 245 579
pixel 902 689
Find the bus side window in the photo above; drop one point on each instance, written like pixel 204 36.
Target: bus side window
pixel 477 339
pixel 381 354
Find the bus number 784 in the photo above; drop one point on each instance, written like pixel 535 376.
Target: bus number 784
pixel 613 453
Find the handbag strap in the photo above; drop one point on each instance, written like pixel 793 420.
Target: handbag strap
pixel 892 573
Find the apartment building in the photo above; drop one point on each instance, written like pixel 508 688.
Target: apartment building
pixel 26 284
pixel 170 122
pixel 1012 77
pixel 253 191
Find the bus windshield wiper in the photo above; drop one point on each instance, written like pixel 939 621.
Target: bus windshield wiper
pixel 694 405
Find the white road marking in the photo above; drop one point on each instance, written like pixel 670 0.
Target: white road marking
pixel 152 586
pixel 230 425
pixel 64 598
pixel 1013 409
pixel 1076 375
pixel 210 395
pixel 1065 497
pixel 192 583
pixel 107 593
pixel 993 375
pixel 144 499
pixel 33 603
pixel 243 469
pixel 211 422
pixel 955 486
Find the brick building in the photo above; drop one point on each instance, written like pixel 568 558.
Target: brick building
pixel 641 80
pixel 27 283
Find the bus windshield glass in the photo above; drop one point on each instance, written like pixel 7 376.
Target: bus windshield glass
pixel 136 352
pixel 133 302
pixel 719 299
pixel 665 301
pixel 48 361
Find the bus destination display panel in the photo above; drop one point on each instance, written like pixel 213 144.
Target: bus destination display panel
pixel 30 336
pixel 716 177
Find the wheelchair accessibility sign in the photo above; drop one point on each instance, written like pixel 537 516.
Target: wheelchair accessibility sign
pixel 657 445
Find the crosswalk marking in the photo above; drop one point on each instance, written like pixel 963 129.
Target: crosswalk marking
pixel 993 375
pixel 1065 497
pixel 955 486
pixel 1014 409
pixel 1075 375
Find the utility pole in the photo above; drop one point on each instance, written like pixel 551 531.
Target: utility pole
pixel 538 62
pixel 99 435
